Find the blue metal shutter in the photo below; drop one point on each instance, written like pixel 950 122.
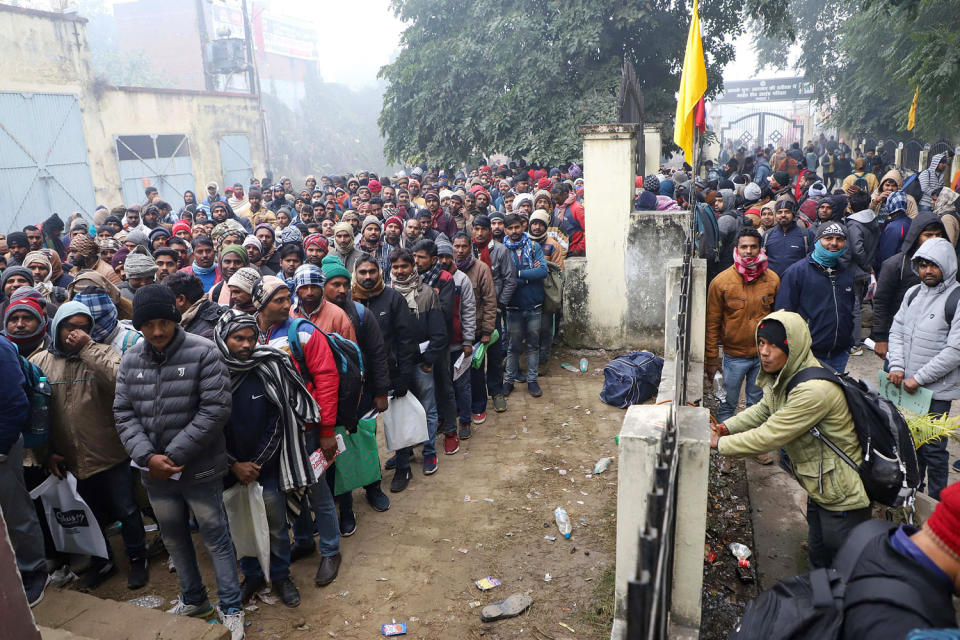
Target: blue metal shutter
pixel 159 160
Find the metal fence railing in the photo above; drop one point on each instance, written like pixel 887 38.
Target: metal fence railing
pixel 648 594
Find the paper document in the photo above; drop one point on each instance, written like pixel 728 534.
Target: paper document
pixel 175 476
pixel 424 345
pixel 461 366
pixel 917 403
pixel 320 462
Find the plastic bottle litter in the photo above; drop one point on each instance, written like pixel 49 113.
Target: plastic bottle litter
pixel 742 552
pixel 569 367
pixel 602 465
pixel 40 411
pixel 718 390
pixel 583 365
pixel 563 522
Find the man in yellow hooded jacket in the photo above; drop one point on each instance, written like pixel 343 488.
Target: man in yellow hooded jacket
pixel 837 501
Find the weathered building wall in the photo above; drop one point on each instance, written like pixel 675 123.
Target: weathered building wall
pixel 48 53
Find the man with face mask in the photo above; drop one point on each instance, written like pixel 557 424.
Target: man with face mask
pixel 820 288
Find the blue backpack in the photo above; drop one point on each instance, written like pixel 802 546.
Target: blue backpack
pixel 349 365
pixel 32 374
pixel 631 379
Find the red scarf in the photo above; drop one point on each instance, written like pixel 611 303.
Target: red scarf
pixel 750 268
pixel 483 252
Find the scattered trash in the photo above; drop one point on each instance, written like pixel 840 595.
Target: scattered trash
pixel 563 522
pixel 563 472
pixel 550 538
pixel 579 501
pixel 573 550
pixel 247 623
pixel 508 608
pixel 567 627
pixel 584 365
pixel 547 578
pixel 251 607
pixel 383 579
pixel 467 499
pixel 464 550
pixel 62 576
pixel 742 552
pixel 485 584
pixel 394 629
pixel 488 499
pixel 147 602
pixel 569 367
pixel 148 528
pixel 711 556
pixel 602 465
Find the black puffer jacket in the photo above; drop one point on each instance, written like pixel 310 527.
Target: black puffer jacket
pixel 176 404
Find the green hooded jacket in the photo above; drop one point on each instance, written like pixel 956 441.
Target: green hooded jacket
pixel 776 422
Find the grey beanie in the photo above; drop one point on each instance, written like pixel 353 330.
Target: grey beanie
pixel 444 248
pixel 139 264
pixel 371 220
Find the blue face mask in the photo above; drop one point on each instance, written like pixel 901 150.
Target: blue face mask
pixel 824 257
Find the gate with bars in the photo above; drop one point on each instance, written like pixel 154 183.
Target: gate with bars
pixel 762 128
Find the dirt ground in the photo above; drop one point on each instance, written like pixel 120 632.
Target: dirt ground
pixel 485 513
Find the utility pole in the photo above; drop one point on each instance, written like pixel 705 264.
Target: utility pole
pixel 204 40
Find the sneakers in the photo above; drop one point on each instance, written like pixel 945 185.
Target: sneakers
pixel 299 552
pixel 507 390
pixel 856 350
pixel 348 523
pixel 430 464
pixel 201 610
pixel 451 444
pixel 288 592
pixel 378 499
pixel 249 587
pixel 464 433
pixel 232 619
pixel 99 571
pixel 329 568
pixel 479 418
pixel 401 478
pixel 35 586
pixel 139 573
pixel 391 463
pixel 499 403
pixel 534 389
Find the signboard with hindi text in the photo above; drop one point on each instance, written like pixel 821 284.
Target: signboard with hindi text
pixel 769 90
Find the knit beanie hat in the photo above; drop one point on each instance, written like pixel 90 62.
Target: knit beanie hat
pixel 159 231
pixel 265 289
pixel 482 221
pixel 832 229
pixel 236 250
pixel 136 236
pixel 782 178
pixel 82 244
pixel 16 270
pixel 17 239
pixel 308 274
pixel 775 333
pixel 751 192
pixel 370 220
pixel 316 239
pixel 542 216
pixel 252 241
pixel 119 257
pixel 397 220
pixel 154 302
pixel 945 521
pixel 244 279
pixel 31 305
pixel 333 267
pixel 496 215
pixel 183 225
pixel 444 248
pixel 139 264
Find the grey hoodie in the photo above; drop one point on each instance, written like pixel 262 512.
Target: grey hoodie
pixel 930 180
pixel 863 237
pixel 922 345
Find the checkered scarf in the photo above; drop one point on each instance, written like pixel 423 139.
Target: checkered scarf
pixel 103 310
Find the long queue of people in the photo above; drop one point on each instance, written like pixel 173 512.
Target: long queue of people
pixel 204 347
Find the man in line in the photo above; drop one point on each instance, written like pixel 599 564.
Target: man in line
pixel 172 401
pixel 204 267
pixel 319 369
pixel 788 242
pixel 737 299
pixel 820 289
pixel 464 332
pixel 837 501
pixel 525 308
pixel 198 314
pixel 925 347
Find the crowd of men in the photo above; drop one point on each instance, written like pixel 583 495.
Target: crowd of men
pixel 793 256
pixel 202 345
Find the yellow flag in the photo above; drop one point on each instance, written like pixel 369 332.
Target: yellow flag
pixel 912 118
pixel 693 84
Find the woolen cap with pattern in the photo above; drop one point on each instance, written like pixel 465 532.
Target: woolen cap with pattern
pixel 245 279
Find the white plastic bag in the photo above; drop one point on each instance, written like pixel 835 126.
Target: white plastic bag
pixel 404 422
pixel 249 529
pixel 73 526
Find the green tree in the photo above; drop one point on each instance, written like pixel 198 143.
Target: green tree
pixel 517 76
pixel 866 58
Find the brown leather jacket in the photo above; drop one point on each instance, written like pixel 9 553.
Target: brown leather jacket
pixel 733 310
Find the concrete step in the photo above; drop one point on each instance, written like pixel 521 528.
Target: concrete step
pixel 86 617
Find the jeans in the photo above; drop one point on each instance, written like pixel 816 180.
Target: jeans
pixel 523 326
pixel 934 459
pixel 110 495
pixel 495 364
pixel 828 530
pixel 275 502
pixel 444 395
pixel 319 500
pixel 859 291
pixel 20 516
pixel 736 371
pixel 172 504
pixel 837 362
pixel 462 391
pixel 547 328
pixel 423 390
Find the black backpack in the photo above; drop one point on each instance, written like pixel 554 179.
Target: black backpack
pixel 813 605
pixel 349 366
pixel 889 472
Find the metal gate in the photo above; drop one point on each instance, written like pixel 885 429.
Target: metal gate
pixel 235 159
pixel 159 160
pixel 43 159
pixel 762 128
